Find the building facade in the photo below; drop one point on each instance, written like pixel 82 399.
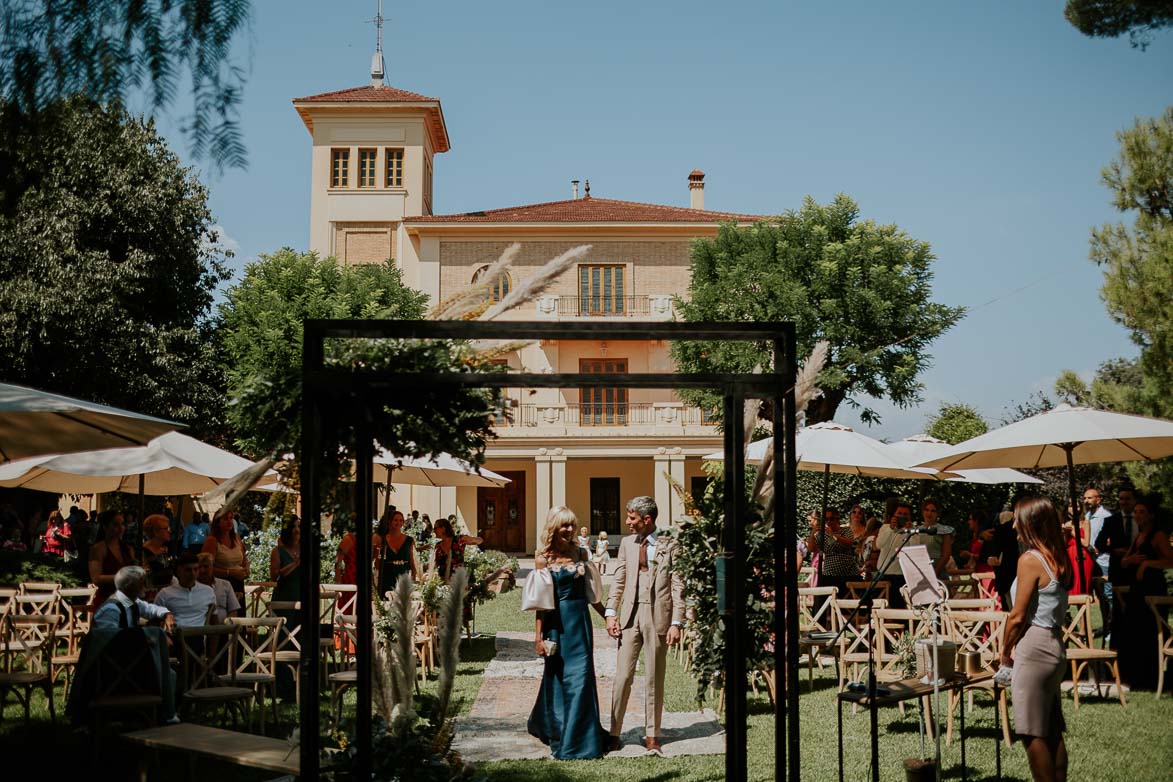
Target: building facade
pixel 589 449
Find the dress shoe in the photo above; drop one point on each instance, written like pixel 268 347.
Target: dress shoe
pixel 652 744
pixel 614 744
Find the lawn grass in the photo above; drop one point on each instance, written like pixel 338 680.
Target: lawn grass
pixel 1105 741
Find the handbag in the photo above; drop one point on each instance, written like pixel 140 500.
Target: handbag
pixel 537 594
pixel 593 583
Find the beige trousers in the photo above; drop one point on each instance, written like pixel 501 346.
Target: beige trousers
pixel 640 635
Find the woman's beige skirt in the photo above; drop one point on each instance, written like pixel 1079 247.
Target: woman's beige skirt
pixel 1039 662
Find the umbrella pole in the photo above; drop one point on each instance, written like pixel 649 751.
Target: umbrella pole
pixel 142 506
pixel 823 519
pixel 1077 517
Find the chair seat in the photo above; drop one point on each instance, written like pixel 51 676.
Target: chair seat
pixel 1091 654
pixel 65 659
pixel 218 693
pixel 252 678
pixel 343 677
pixel 288 657
pixel 126 701
pixel 24 677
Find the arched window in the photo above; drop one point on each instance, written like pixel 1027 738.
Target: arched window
pixel 501 286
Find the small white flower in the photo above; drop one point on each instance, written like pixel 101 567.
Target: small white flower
pixel 580 569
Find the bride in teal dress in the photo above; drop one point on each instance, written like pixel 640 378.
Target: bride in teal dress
pixel 566 714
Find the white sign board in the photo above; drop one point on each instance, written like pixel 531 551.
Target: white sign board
pixel 920 576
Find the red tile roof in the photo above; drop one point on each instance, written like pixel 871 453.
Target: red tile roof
pixel 367 94
pixel 589 210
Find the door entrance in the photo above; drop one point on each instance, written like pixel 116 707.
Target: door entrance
pixel 501 514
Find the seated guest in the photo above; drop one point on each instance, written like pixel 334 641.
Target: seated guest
pixel 124 608
pixel 189 600
pixel 226 602
pixel 157 559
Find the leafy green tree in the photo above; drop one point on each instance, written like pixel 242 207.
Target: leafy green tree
pixel 863 287
pixel 1113 18
pixel 108 262
pixel 111 49
pixel 262 334
pixel 955 423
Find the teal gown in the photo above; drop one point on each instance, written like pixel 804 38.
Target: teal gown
pixel 566 714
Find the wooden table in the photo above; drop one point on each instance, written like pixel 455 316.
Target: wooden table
pixel 914 689
pixel 242 749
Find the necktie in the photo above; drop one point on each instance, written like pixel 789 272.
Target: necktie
pixel 134 615
pixel 643 555
pixel 1129 530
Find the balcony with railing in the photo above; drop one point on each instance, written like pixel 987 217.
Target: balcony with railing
pixel 602 418
pixel 650 307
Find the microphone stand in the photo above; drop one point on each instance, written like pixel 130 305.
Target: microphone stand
pixel 865 603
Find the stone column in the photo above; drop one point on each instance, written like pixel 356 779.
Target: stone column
pixel 557 479
pixel 542 465
pixel 668 461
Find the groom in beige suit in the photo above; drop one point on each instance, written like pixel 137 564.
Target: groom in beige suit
pixel 644 611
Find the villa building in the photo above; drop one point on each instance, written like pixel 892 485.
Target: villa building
pixel 372 198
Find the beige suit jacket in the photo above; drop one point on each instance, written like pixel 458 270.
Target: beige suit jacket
pixel 667 584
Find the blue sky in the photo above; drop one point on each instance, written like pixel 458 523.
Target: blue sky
pixel 978 127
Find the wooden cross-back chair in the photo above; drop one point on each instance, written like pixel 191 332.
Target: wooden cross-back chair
pixel 341 681
pixel 73 604
pixel 1082 651
pixel 125 679
pixel 816 614
pixel 855 641
pixel 1159 606
pixel 855 590
pixel 24 659
pixel 962 586
pixel 257 598
pixel 328 608
pixel 256 658
pixel 37 602
pixel 289 638
pixel 31 632
pixel 971 604
pixel 203 651
pixel 980 632
pixel 889 626
pixel 987 588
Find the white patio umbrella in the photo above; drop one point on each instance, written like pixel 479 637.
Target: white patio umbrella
pixel 440 470
pixel 1064 436
pixel 36 423
pixel 920 447
pixel 829 447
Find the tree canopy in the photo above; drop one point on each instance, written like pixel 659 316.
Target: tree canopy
pixel 110 49
pixel 863 287
pixel 109 261
pixel 956 422
pixel 1113 18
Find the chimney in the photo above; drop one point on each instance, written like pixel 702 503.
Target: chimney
pixel 574 189
pixel 696 189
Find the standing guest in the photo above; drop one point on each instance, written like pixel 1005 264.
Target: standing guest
pixel 108 555
pixel 888 540
pixel 196 533
pixel 868 551
pixel 188 599
pixel 857 526
pixel 227 550
pixel 58 538
pixel 1084 573
pixel 426 525
pixel 1032 645
pixel 157 558
pixel 939 545
pixel 448 555
pixel 35 534
pixel 133 528
pixel 1095 515
pixel 1004 560
pixel 981 545
pixel 346 560
pixel 1144 567
pixel 395 555
pixel 227 604
pixel 415 517
pixel 1114 540
pixel 584 540
pixel 285 562
pixel 838 550
pixel 602 556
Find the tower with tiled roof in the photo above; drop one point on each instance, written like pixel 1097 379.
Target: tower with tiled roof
pixel 372 164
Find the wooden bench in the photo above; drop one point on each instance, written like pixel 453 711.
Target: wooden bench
pixel 241 749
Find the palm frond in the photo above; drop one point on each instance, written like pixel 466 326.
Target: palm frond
pixel 228 494
pixel 403 648
pixel 806 389
pixel 451 619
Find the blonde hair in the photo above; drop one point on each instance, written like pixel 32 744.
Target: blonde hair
pixel 603 535
pixel 555 519
pixel 205 557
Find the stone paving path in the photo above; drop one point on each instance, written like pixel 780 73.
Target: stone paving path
pixel 495 729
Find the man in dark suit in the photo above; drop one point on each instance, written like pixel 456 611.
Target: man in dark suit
pixel 1114 539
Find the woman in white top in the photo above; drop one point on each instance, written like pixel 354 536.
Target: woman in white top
pixel 1033 640
pixel 602 554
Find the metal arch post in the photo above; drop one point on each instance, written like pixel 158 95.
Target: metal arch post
pixel 786 540
pixel 733 543
pixel 311 441
pixel 364 454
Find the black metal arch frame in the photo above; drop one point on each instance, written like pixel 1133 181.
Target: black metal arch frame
pixel 324 388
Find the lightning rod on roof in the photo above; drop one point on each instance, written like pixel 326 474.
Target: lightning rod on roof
pixel 377 65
